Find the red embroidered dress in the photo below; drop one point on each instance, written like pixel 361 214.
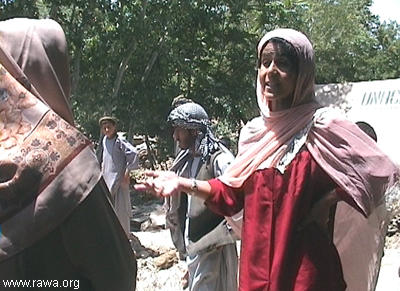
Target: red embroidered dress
pixel 276 255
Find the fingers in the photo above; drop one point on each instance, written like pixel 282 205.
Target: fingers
pixel 159 183
pixel 166 175
pixel 152 188
pixel 140 187
pixel 148 186
pixel 153 174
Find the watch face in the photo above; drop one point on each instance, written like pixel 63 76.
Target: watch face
pixel 193 187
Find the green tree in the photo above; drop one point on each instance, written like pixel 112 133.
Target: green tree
pixel 131 58
pixel 349 41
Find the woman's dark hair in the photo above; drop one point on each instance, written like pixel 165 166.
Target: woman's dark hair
pixel 287 49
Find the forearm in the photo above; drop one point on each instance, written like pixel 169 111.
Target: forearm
pixel 126 178
pixel 167 183
pixel 220 200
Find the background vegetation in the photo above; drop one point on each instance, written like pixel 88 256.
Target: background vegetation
pixel 130 58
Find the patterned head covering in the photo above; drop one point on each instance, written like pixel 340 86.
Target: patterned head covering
pixel 47 167
pixel 190 116
pixel 193 116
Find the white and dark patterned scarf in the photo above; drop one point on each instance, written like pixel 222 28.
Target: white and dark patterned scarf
pixel 193 116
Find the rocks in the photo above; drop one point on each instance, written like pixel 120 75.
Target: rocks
pixel 160 269
pixel 166 260
pixel 394 226
pixel 151 278
pixel 140 250
pixel 140 222
pixel 393 242
pixel 393 234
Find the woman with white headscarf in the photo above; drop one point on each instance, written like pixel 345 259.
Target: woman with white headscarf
pixel 293 157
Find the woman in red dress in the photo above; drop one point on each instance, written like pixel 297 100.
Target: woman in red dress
pixel 294 160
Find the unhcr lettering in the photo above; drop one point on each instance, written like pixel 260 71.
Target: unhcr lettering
pixel 391 97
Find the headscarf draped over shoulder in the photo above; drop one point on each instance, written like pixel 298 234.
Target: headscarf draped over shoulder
pixel 47 167
pixel 346 153
pixel 39 49
pixel 350 157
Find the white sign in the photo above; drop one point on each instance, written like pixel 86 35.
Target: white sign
pixel 375 102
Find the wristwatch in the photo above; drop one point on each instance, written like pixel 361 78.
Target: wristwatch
pixel 193 186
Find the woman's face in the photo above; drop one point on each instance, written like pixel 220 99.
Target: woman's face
pixel 277 76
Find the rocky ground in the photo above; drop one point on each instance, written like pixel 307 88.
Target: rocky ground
pixel 160 269
pixel 393 234
pixel 389 276
pixel 158 265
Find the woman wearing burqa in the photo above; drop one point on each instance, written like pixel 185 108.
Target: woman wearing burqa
pixel 56 222
pixel 292 158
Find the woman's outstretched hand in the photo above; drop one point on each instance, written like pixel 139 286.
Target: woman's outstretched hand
pixel 160 183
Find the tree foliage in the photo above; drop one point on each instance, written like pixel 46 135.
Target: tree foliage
pixel 131 58
pixel 349 41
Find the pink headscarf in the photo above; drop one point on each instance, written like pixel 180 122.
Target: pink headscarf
pixel 347 154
